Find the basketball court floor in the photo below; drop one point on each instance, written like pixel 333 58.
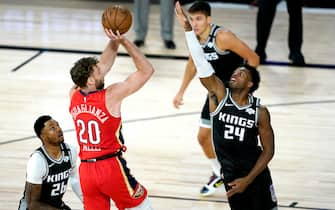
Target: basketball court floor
pixel 40 41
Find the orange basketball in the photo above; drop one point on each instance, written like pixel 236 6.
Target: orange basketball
pixel 117 18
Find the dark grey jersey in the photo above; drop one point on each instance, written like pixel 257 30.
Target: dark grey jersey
pixel 55 181
pixel 223 62
pixel 235 136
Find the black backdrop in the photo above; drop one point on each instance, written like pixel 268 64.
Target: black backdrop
pixel 307 3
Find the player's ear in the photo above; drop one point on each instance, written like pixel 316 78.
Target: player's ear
pixel 90 81
pixel 250 84
pixel 209 19
pixel 42 136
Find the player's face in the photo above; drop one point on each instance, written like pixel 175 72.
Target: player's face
pixel 51 133
pixel 240 79
pixel 200 22
pixel 98 78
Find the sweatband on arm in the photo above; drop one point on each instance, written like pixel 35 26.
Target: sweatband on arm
pixel 203 67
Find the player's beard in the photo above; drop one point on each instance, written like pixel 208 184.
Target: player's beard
pixel 100 84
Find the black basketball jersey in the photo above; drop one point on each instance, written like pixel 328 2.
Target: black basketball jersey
pixel 223 62
pixel 55 183
pixel 235 136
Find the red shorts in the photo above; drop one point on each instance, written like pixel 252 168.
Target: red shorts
pixel 109 179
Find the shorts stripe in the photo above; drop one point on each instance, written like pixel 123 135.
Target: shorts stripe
pixel 124 170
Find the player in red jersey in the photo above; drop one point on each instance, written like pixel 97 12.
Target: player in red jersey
pixel 97 117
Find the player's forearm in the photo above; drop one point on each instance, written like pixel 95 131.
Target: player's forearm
pixel 261 164
pixel 141 62
pixel 36 205
pixel 253 59
pixel 189 74
pixel 108 56
pixel 203 68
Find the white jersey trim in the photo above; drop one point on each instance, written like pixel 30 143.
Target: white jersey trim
pixel 221 104
pixel 38 168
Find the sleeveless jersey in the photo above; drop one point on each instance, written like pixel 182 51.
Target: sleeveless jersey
pixel 98 132
pixel 235 136
pixel 223 62
pixel 55 182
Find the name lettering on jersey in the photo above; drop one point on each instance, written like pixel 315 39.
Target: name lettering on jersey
pixel 91 148
pixel 58 177
pixel 84 108
pixel 211 56
pixel 236 120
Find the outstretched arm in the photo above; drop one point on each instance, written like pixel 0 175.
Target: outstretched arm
pixel 108 56
pixel 143 72
pixel 189 74
pixel 204 69
pixel 134 82
pixel 226 40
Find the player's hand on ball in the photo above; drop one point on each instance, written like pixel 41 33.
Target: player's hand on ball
pixel 114 36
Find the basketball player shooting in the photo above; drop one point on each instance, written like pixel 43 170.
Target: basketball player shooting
pixel 96 112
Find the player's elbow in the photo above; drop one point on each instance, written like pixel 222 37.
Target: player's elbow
pixel 254 60
pixel 151 70
pixel 269 152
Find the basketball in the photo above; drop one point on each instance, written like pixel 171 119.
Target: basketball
pixel 117 18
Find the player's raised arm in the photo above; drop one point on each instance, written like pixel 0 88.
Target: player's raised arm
pixel 108 56
pixel 135 80
pixel 205 71
pixel 116 18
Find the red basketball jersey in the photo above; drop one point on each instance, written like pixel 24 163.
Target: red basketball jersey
pixel 97 130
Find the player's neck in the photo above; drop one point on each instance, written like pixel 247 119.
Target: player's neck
pixel 240 97
pixel 53 151
pixel 88 90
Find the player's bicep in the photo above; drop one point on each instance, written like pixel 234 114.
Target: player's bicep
pixel 231 42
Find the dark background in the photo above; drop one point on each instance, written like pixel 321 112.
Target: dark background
pixel 307 3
